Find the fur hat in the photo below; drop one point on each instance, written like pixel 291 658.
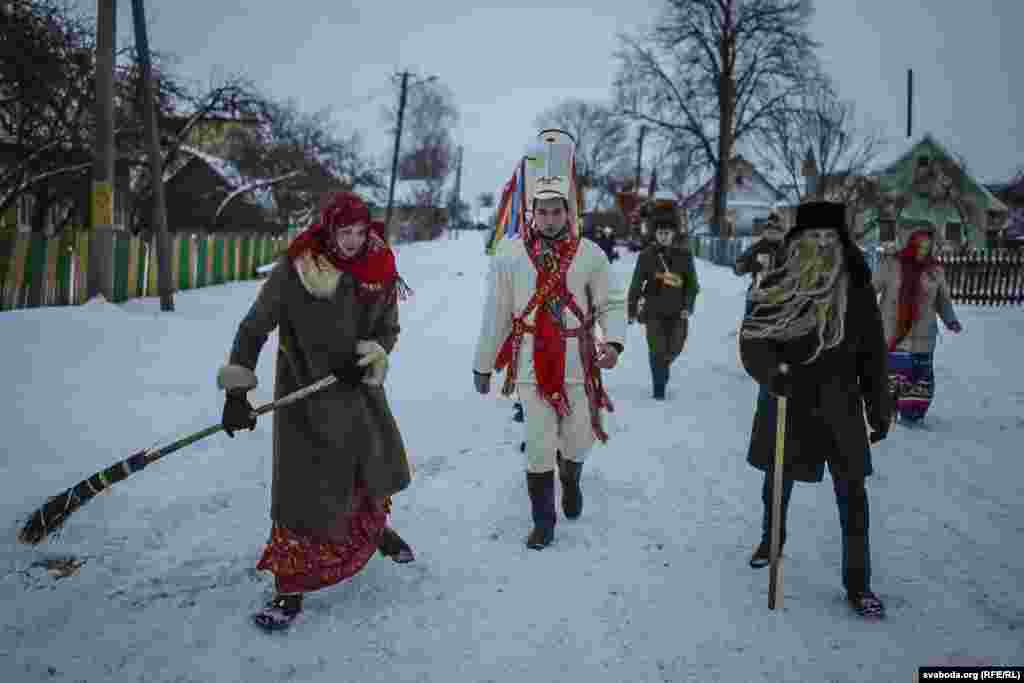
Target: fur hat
pixel 664 214
pixel 819 216
pixel 832 215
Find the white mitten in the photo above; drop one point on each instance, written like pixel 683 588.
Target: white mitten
pixel 373 354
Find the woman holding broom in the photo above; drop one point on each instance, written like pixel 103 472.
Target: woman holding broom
pixel 813 335
pixel 338 455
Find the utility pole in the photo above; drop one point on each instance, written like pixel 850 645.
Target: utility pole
pixel 163 240
pixel 398 142
pixel 457 194
pixel 910 99
pixel 101 238
pixel 639 157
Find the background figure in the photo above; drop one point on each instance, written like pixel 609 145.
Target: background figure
pixel 763 255
pixel 666 278
pixel 814 335
pixel 605 239
pixel 912 292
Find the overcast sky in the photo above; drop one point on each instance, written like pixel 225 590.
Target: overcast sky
pixel 506 65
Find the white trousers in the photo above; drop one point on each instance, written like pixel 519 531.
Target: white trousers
pixel 543 435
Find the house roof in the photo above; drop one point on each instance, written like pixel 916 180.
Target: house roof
pixel 228 171
pixel 898 173
pixel 694 199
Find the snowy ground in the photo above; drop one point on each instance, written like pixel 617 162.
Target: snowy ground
pixel 651 584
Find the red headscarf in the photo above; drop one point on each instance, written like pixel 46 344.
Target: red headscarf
pixel 912 272
pixel 373 267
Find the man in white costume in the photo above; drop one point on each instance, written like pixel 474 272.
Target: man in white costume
pixel 546 295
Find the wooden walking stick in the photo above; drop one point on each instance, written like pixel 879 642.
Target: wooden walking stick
pixel 52 515
pixel 775 553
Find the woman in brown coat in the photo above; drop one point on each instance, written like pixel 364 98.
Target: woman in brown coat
pixel 913 292
pixel 338 454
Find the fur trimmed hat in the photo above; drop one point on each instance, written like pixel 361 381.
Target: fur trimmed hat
pixel 832 215
pixel 664 214
pixel 819 216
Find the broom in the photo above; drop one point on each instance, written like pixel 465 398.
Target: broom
pixel 52 515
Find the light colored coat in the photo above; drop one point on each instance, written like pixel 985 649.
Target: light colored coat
pixel 936 302
pixel 511 283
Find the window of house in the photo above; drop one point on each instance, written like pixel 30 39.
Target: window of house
pixel 887 231
pixel 26 204
pixel 954 234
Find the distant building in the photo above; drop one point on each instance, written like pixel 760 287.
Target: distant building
pixel 750 198
pixel 926 184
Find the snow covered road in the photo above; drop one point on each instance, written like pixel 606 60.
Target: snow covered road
pixel 651 584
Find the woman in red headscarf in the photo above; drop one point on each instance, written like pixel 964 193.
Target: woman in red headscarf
pixel 338 454
pixel 913 291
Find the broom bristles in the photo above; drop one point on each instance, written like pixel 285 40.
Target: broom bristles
pixel 48 518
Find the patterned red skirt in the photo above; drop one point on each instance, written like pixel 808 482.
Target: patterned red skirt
pixel 303 562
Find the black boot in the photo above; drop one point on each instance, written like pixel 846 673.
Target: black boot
pixel 279 613
pixel 572 497
pixel 541 486
pixel 518 416
pixel 660 375
pixel 391 545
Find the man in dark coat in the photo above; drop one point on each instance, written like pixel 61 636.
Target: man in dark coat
pixel 605 239
pixel 814 335
pixel 763 255
pixel 666 278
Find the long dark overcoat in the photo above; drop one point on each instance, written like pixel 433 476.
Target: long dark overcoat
pixel 324 441
pixel 825 416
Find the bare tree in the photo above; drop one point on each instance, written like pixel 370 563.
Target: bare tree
pixel 46 99
pixel 601 140
pixel 818 123
pixel 430 117
pixel 712 71
pixel 299 157
pixel 672 165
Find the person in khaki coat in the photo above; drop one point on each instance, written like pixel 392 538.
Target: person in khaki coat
pixel 338 454
pixel 666 278
pixel 912 293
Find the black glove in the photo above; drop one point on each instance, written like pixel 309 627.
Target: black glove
pixel 237 413
pixel 879 426
pixel 782 384
pixel 350 374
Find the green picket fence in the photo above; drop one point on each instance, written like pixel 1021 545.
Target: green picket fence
pixel 36 270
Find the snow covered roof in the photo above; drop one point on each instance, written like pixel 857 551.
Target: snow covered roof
pixel 895 169
pixel 233 178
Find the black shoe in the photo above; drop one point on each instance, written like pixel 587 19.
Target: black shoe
pixel 541 487
pixel 518 416
pixel 391 545
pixel 572 497
pixel 762 555
pixel 866 604
pixel 540 538
pixel 279 613
pixel 659 393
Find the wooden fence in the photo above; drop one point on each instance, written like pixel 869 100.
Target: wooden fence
pixel 985 277
pixel 980 277
pixel 36 270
